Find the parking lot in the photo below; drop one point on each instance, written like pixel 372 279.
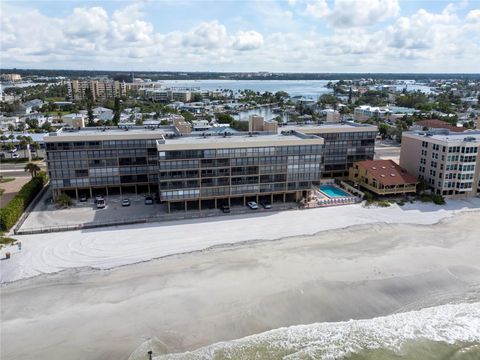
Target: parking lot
pixel 47 215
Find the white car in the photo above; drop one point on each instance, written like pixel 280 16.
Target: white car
pixel 15 156
pixel 252 205
pixel 101 204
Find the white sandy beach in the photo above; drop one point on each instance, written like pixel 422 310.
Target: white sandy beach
pixel 192 300
pixel 106 248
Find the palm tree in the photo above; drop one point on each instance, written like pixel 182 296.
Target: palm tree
pixel 32 168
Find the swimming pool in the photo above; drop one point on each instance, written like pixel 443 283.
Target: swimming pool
pixel 333 191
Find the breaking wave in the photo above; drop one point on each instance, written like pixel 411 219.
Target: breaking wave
pixel 449 331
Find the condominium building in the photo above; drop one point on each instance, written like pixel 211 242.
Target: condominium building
pixel 344 144
pixel 102 89
pixel 448 161
pixel 204 171
pixel 11 77
pixel 195 170
pixel 103 161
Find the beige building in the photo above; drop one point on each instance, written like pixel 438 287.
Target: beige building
pixel 258 123
pixel 184 127
pixel 11 77
pixel 449 162
pixel 102 89
pixel 74 120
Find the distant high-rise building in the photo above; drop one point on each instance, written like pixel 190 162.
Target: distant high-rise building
pixel 102 89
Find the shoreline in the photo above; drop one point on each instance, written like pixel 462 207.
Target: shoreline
pixel 194 300
pixel 120 260
pixel 89 270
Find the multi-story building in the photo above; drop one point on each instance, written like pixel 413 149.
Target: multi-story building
pixel 102 89
pixel 11 77
pixel 204 171
pixel 99 161
pixel 448 161
pixel 344 144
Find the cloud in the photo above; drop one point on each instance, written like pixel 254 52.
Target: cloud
pixel 353 13
pixel 474 16
pixel 317 9
pixel 423 41
pixel 247 40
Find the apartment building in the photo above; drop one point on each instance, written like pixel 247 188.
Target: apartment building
pixel 11 77
pixel 102 89
pixel 345 143
pixel 258 123
pixel 198 172
pixel 103 161
pixel 167 95
pixel 195 170
pixel 448 161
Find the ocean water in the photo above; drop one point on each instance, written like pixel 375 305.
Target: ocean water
pixel 446 332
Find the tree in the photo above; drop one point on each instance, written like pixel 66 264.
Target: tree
pixel 32 123
pixel 10 147
pixel 383 130
pixel 116 112
pixel 89 99
pixel 32 168
pixel 225 118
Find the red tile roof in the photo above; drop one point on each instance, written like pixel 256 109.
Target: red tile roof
pixel 439 124
pixel 387 172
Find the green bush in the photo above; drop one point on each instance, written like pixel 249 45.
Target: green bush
pixel 63 200
pixel 10 214
pixel 438 199
pixel 383 203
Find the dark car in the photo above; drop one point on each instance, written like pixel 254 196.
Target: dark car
pixel 148 200
pixel 225 208
pixel 266 204
pixel 83 198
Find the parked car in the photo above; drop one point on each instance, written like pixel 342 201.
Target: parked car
pixel 252 205
pixel 12 151
pixel 148 200
pixel 101 204
pixel 266 204
pixel 15 156
pixel 98 198
pixel 225 208
pixel 125 202
pixel 83 198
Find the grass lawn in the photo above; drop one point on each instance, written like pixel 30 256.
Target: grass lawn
pixel 4 241
pixel 55 113
pixel 53 99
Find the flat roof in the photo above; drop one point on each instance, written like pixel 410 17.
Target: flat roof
pixel 329 128
pixel 235 141
pixel 447 136
pixel 93 134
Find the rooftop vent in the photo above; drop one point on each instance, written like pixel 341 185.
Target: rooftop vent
pixel 392 174
pixel 382 175
pixel 383 167
pixel 374 168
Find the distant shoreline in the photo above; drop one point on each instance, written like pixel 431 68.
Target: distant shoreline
pixel 254 75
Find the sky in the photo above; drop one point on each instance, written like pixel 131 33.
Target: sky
pixel 275 36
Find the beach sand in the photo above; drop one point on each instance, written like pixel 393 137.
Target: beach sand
pixel 191 300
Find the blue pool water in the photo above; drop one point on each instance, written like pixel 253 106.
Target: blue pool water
pixel 333 192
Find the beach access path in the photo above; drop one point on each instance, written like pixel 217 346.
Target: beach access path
pixel 112 247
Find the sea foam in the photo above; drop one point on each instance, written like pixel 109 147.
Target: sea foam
pixel 449 323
